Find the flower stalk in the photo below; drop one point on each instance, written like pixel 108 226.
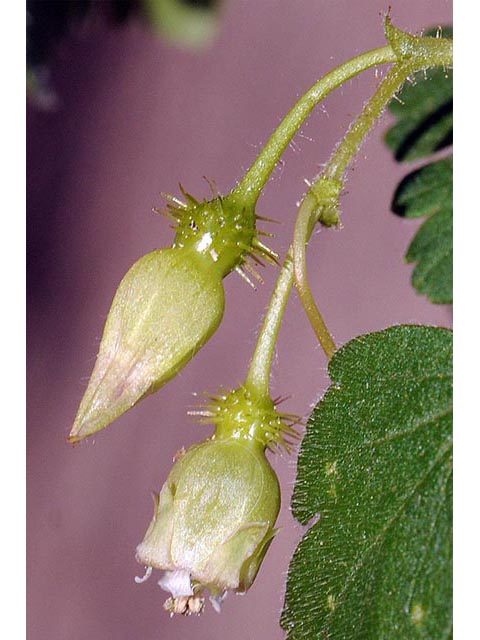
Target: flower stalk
pixel 413 54
pixel 410 54
pixel 251 186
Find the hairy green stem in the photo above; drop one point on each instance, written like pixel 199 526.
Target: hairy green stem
pixel 412 54
pixel 250 187
pixel 261 364
pixel 334 171
pixel 303 231
pixel 433 53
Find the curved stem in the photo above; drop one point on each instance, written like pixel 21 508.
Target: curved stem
pixel 437 53
pixel 303 230
pixel 334 171
pixel 319 198
pixel 351 143
pixel 250 187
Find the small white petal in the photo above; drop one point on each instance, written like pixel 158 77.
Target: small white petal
pixel 177 582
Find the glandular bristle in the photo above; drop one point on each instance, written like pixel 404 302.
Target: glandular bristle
pixel 265 219
pixel 265 234
pixel 188 196
pixel 175 200
pixel 265 251
pixel 249 267
pixel 170 212
pixel 238 269
pixel 213 187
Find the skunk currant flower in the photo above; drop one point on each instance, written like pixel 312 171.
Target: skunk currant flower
pixel 167 306
pixel 214 517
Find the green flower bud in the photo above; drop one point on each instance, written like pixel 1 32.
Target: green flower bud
pixel 167 306
pixel 214 518
pixel 213 521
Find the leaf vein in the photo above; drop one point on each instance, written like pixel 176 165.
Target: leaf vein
pixel 381 535
pixel 421 560
pixel 423 422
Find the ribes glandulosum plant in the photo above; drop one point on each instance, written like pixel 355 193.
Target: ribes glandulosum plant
pixel 215 516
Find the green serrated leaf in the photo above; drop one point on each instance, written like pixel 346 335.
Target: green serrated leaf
pixel 376 465
pixel 429 192
pixel 424 113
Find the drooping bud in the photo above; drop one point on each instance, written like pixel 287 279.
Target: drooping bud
pixel 167 306
pixel 214 517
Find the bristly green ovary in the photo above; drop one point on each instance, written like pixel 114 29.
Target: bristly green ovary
pixel 220 230
pixel 245 415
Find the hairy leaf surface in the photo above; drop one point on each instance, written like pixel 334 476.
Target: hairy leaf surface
pixel 375 466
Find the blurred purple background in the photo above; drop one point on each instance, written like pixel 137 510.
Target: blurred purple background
pixel 135 117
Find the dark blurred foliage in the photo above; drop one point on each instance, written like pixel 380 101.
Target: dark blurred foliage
pixel 49 21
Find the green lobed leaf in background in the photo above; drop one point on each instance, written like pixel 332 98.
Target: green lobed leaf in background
pixel 429 192
pixel 424 115
pixel 424 125
pixel 191 24
pixel 188 24
pixel 376 466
